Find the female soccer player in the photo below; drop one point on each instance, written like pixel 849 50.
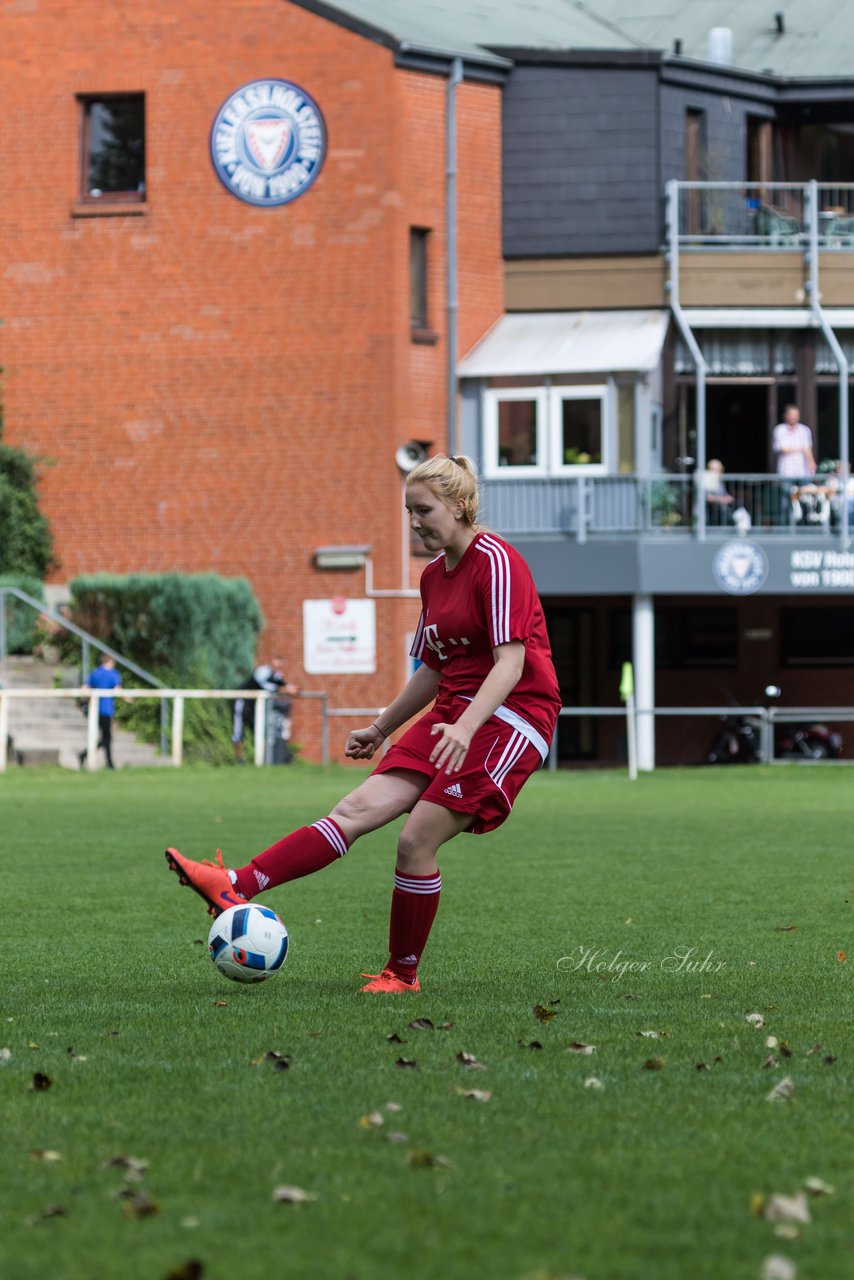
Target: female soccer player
pixel 487 670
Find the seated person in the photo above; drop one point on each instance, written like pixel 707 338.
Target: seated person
pixel 718 501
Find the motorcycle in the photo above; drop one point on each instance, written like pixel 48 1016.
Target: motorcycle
pixel 739 741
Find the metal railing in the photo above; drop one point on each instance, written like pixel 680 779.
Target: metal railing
pixel 764 215
pixel 665 505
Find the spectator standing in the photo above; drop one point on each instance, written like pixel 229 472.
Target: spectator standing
pixel 104 676
pixel 267 677
pixel 792 444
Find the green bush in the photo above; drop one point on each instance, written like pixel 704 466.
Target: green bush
pixel 196 631
pixel 21 620
pixel 26 546
pixel 177 623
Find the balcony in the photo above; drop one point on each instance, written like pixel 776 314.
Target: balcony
pixel 668 506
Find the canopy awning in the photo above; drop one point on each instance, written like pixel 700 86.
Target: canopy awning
pixel 538 343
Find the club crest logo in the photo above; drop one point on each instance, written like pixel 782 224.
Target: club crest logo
pixel 740 568
pixel 268 142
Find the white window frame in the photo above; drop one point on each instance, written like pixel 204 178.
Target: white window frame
pixel 493 397
pixel 597 391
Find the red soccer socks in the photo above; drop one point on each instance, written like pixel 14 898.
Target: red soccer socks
pixel 414 903
pixel 299 854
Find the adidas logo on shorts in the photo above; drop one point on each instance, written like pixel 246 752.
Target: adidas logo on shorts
pixel 454 790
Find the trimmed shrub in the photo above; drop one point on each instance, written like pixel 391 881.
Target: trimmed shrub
pixel 21 621
pixel 174 623
pixel 26 546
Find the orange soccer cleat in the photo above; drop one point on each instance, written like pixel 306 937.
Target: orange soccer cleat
pixel 210 880
pixel 388 981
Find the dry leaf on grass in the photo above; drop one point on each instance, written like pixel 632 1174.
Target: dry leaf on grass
pixel 782 1091
pixel 394 1038
pixel 217 1004
pixel 578 1046
pixel 373 1120
pixel 393 1106
pixel 421 1024
pixel 776 1267
pixel 470 1061
pixel 135 1169
pixel 785 928
pixel 593 1082
pixel 785 1049
pixel 771 1042
pixel 410 1063
pixel 137 1204
pixel 292 1195
pixel 446 1026
pixel 654 1064
pixel 5 1055
pixel 787 1231
pixel 394 1135
pixel 780 1208
pixel 190 1270
pixel 770 1061
pixel 46 1157
pixel 476 1095
pixel 542 1014
pixel 49 1211
pixel 419 1159
pixel 817 1187
pixel 40 1082
pixel 756 1020
pixel 529 1044
pixel 815 1049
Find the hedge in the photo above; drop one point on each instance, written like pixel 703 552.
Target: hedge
pixel 181 624
pixel 21 620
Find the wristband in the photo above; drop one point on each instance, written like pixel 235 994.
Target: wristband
pixel 379 730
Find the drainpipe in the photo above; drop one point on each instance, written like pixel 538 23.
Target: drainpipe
pixel 814 296
pixel 693 346
pixel 451 293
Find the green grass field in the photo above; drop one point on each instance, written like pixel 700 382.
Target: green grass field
pixel 106 990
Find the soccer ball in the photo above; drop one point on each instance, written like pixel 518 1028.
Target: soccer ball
pixel 248 944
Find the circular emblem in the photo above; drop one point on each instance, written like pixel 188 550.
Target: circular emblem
pixel 268 142
pixel 740 567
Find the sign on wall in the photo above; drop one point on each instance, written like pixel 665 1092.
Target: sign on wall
pixel 268 142
pixel 339 637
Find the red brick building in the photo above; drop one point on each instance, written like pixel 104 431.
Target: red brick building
pixel 221 386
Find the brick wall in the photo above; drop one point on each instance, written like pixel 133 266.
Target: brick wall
pixel 221 387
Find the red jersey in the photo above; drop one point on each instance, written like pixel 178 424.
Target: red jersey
pixel 488 599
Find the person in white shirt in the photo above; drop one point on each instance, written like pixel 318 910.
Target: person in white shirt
pixel 792 444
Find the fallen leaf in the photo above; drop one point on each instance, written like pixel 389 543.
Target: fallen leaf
pixel 33 1045
pixel 785 928
pixel 784 1049
pixel 418 1159
pixel 770 1061
pixel 787 1231
pixel 702 1066
pixel 50 1211
pixel 411 1063
pixel 46 1157
pixel 394 1038
pixel 840 955
pixel 780 1208
pixel 116 1033
pixel 446 1026
pixel 542 1014
pixel 197 942
pixel 816 1187
pixel 593 1082
pixel 756 1020
pixel 137 1204
pixel 757 1204
pixel 373 1120
pixel 629 995
pixel 776 1267
pixel 75 1057
pixel 578 1046
pixel 815 1049
pixel 393 1106
pixel 191 1223
pixel 191 1270
pixel 280 1061
pixel 653 1035
pixel 134 1168
pixel 292 1195
pixel 470 1061
pixel 829 1060
pixel 782 1091
pixel 476 1095
pixel 40 1082
pixel 530 1044
pixel 394 1135
pixel 5 1055
pixel 421 1024
pixel 654 1064
pixel 554 1002
pixel 771 1042
pixel 217 1004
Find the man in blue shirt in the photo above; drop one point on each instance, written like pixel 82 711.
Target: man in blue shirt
pixel 104 676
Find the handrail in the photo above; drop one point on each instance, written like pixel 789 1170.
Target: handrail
pixel 68 625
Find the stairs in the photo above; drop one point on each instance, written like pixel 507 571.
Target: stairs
pixel 53 730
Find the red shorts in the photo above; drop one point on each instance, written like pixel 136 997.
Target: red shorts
pixel 499 761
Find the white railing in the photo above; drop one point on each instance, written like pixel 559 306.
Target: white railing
pixel 767 215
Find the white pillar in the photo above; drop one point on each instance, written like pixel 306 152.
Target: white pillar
pixel 4 731
pixel 643 657
pixel 92 727
pixel 177 730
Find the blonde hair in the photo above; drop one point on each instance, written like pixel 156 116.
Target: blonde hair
pixel 452 480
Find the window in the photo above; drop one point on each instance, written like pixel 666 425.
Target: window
pixel 113 153
pixel 579 436
pixel 418 312
pixel 515 429
pixel 817 637
pixel 684 637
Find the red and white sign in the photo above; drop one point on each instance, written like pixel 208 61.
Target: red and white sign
pixel 339 637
